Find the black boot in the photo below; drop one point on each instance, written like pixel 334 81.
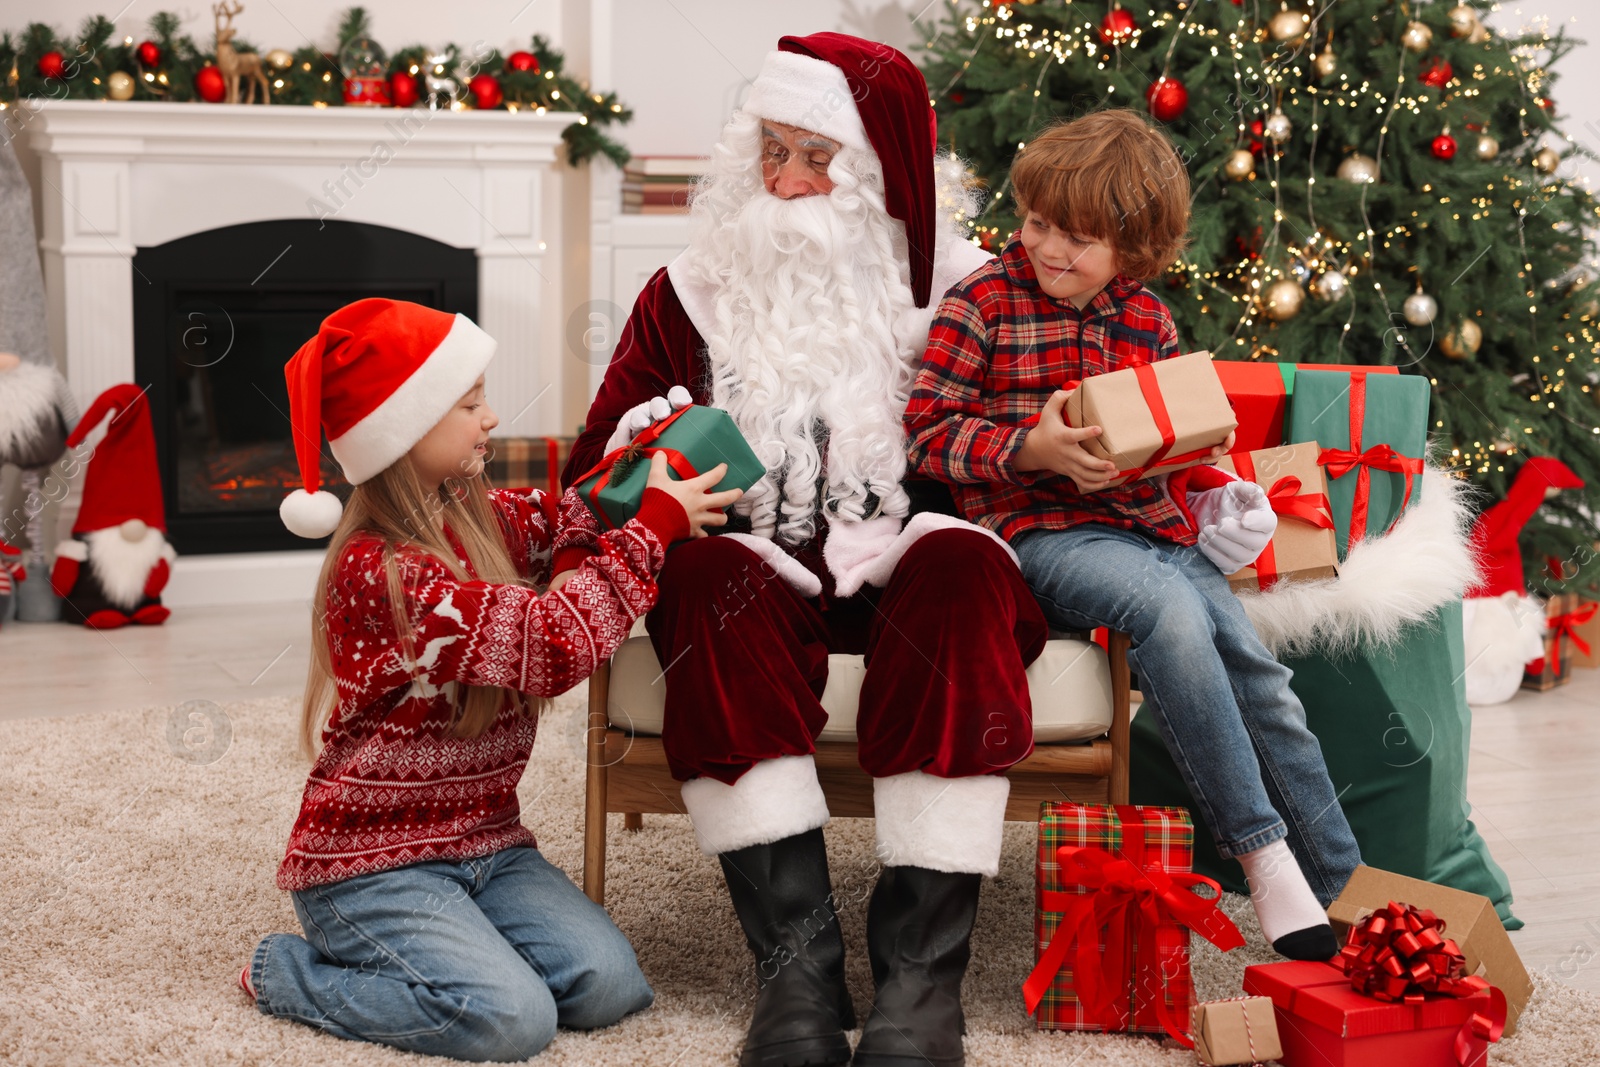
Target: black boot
pixel 918 929
pixel 785 904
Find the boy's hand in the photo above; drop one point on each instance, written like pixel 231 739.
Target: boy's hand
pixel 1052 445
pixel 704 508
pixel 1223 449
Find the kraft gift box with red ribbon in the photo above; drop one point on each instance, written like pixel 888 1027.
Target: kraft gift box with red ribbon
pixel 694 439
pixel 1114 904
pixel 1303 547
pixel 1565 614
pixel 1154 417
pixel 1397 993
pixel 1586 636
pixel 1260 392
pixel 1373 432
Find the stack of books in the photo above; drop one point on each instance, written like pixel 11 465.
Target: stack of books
pixel 660 185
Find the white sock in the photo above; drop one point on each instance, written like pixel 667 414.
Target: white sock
pixel 1279 892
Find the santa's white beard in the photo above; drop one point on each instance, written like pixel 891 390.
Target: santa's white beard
pixel 122 566
pixel 803 346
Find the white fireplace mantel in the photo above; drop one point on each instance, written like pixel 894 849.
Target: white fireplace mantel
pixel 120 176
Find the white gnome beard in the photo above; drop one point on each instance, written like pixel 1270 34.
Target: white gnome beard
pixel 122 566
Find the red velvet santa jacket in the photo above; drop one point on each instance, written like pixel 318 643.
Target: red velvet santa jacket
pixel 391 785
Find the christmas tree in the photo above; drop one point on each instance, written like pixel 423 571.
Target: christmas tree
pixel 1372 183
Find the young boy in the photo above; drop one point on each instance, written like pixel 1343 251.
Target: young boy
pixel 1104 201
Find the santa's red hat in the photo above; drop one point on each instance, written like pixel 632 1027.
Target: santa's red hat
pixel 122 481
pixel 1496 532
pixel 376 378
pixel 871 97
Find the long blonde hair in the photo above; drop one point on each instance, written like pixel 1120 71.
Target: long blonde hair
pixel 395 506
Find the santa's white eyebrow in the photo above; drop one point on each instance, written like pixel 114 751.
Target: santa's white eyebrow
pixel 810 142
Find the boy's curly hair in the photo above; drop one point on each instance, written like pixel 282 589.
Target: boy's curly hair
pixel 1108 175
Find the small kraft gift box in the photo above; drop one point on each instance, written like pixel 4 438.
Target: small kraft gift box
pixel 1154 417
pixel 1114 904
pixel 694 439
pixel 1243 1030
pixel 1303 547
pixel 1261 392
pixel 1564 642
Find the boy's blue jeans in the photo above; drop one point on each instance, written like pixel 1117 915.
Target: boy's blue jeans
pixel 1223 704
pixel 478 960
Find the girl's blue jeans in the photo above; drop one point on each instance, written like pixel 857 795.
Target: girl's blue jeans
pixel 478 960
pixel 1223 704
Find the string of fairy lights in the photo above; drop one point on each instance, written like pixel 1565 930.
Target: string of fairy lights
pixel 1301 80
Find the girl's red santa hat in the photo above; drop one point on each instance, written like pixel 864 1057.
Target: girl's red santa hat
pixel 375 379
pixel 122 481
pixel 871 97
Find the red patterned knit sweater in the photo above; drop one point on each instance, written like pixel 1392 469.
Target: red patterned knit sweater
pixel 391 786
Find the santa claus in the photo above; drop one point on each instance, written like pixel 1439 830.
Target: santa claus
pixel 822 242
pixel 113 569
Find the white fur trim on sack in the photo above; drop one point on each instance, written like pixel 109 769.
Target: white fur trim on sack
pixel 784 565
pixel 1385 584
pixel 1502 634
pixel 812 94
pixel 774 799
pixel 944 824
pixel 868 558
pixel 408 413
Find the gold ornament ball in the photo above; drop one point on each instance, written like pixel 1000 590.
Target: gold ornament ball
pixel 1278 127
pixel 1289 25
pixel 119 86
pixel 280 58
pixel 1480 33
pixel 1359 168
pixel 1417 37
pixel 1463 341
pixel 1326 63
pixel 1282 300
pixel 1463 20
pixel 1240 165
pixel 1546 160
pixel 1487 147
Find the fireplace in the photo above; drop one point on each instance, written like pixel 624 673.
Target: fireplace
pixel 217 314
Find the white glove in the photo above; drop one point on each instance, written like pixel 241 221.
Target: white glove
pixel 638 418
pixel 1235 521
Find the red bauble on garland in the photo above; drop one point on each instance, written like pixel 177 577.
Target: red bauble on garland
pixel 402 89
pixel 523 61
pixel 149 54
pixel 485 89
pixel 1257 131
pixel 1166 98
pixel 1438 74
pixel 1118 27
pixel 1444 146
pixel 209 83
pixel 52 65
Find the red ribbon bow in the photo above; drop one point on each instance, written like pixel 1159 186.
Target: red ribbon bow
pixel 1153 905
pixel 639 446
pixel 1286 500
pixel 1399 954
pixel 1567 626
pixel 1340 461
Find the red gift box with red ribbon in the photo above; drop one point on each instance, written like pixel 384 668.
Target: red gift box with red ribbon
pixel 1115 903
pixel 1303 547
pixel 1260 392
pixel 1397 993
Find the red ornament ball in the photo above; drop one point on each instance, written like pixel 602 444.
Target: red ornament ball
pixel 1444 146
pixel 1166 98
pixel 523 61
pixel 402 89
pixel 52 65
pixel 1118 27
pixel 149 54
pixel 1257 131
pixel 485 89
pixel 208 82
pixel 1438 74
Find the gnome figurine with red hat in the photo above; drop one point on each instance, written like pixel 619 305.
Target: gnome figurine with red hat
pixel 1505 627
pixel 113 569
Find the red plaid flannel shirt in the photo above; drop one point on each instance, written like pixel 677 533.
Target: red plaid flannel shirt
pixel 997 349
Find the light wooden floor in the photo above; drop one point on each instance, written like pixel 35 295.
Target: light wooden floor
pixel 1535 761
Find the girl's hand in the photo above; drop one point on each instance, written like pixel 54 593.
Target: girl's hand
pixel 1052 445
pixel 703 507
pixel 560 580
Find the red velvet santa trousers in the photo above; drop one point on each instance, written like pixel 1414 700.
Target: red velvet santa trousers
pixel 946 645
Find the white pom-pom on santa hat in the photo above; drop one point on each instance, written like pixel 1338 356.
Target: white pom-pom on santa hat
pixel 375 379
pixel 310 515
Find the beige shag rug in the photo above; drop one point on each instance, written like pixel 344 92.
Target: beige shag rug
pixel 136 875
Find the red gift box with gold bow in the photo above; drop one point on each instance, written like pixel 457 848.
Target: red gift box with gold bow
pixel 1397 993
pixel 1115 903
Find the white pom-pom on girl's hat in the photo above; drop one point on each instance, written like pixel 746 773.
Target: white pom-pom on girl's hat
pixel 376 378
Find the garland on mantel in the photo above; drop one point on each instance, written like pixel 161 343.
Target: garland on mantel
pixel 38 66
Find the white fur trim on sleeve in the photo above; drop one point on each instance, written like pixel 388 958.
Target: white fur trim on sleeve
pixel 72 549
pixel 775 799
pixel 944 824
pixel 783 565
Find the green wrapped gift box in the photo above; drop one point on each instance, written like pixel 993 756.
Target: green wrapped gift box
pixel 1373 432
pixel 694 438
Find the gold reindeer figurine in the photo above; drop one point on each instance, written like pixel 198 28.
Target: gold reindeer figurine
pixel 235 64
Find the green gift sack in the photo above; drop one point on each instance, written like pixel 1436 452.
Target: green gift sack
pixel 694 439
pixel 1373 430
